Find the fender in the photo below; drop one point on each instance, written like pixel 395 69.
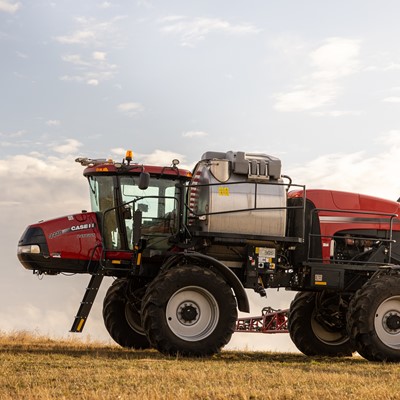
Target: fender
pixel 223 270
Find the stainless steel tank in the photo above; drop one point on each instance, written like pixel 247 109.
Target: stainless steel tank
pixel 239 193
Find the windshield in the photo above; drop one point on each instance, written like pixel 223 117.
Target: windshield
pixel 158 204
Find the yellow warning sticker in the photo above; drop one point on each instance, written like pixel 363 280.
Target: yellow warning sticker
pixel 223 191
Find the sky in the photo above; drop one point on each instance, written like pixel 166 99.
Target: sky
pixel 314 83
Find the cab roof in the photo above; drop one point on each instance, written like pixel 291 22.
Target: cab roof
pixel 111 167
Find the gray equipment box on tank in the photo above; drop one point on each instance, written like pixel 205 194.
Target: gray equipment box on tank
pixel 239 193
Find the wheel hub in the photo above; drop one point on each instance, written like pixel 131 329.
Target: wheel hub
pixel 391 322
pixel 192 313
pixel 387 322
pixel 188 313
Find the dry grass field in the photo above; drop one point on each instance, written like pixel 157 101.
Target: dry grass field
pixel 33 367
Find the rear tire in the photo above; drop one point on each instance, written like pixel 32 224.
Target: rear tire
pixel 190 311
pixel 308 331
pixel 121 314
pixel 374 319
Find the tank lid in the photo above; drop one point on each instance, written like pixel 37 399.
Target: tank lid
pixel 254 165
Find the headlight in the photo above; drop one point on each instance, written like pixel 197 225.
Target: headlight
pixel 29 249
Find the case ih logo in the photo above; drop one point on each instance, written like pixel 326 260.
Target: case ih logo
pixel 81 227
pixel 71 229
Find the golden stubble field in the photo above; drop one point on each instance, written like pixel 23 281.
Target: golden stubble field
pixel 33 367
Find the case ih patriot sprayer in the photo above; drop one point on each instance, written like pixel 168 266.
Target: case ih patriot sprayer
pixel 183 246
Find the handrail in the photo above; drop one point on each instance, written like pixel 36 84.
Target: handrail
pixel 385 218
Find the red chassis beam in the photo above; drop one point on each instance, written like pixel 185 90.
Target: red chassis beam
pixel 271 321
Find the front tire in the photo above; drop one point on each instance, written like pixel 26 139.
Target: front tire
pixel 189 310
pixel 374 319
pixel 314 327
pixel 121 314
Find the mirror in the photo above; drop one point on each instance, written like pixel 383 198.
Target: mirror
pixel 144 180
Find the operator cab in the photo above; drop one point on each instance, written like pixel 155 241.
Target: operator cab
pixel 119 190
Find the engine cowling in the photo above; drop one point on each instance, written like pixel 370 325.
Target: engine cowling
pixel 67 244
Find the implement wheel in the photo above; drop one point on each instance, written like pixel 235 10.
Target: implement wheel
pixel 374 319
pixel 121 314
pixel 317 327
pixel 189 310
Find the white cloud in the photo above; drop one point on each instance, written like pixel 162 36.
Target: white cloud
pixel 130 109
pixel 191 134
pixel 392 67
pixel 75 59
pixel 99 55
pixel 383 61
pixel 392 99
pixel 358 172
pixel 91 32
pixel 160 157
pixel 70 146
pixel 54 184
pixel 145 3
pixel 53 122
pixel 105 4
pixel 289 45
pixel 93 82
pixel 390 139
pixel 73 78
pixel 335 59
pixel 13 134
pixel 336 113
pixel 308 97
pixel 92 70
pixel 89 77
pixel 10 139
pixel 9 7
pixel 9 203
pixel 119 151
pixel 21 55
pixel 192 30
pixel 78 37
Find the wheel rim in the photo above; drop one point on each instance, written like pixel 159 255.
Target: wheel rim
pixel 192 313
pixel 387 322
pixel 327 337
pixel 133 318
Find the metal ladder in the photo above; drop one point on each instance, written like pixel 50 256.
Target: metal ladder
pixel 87 301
